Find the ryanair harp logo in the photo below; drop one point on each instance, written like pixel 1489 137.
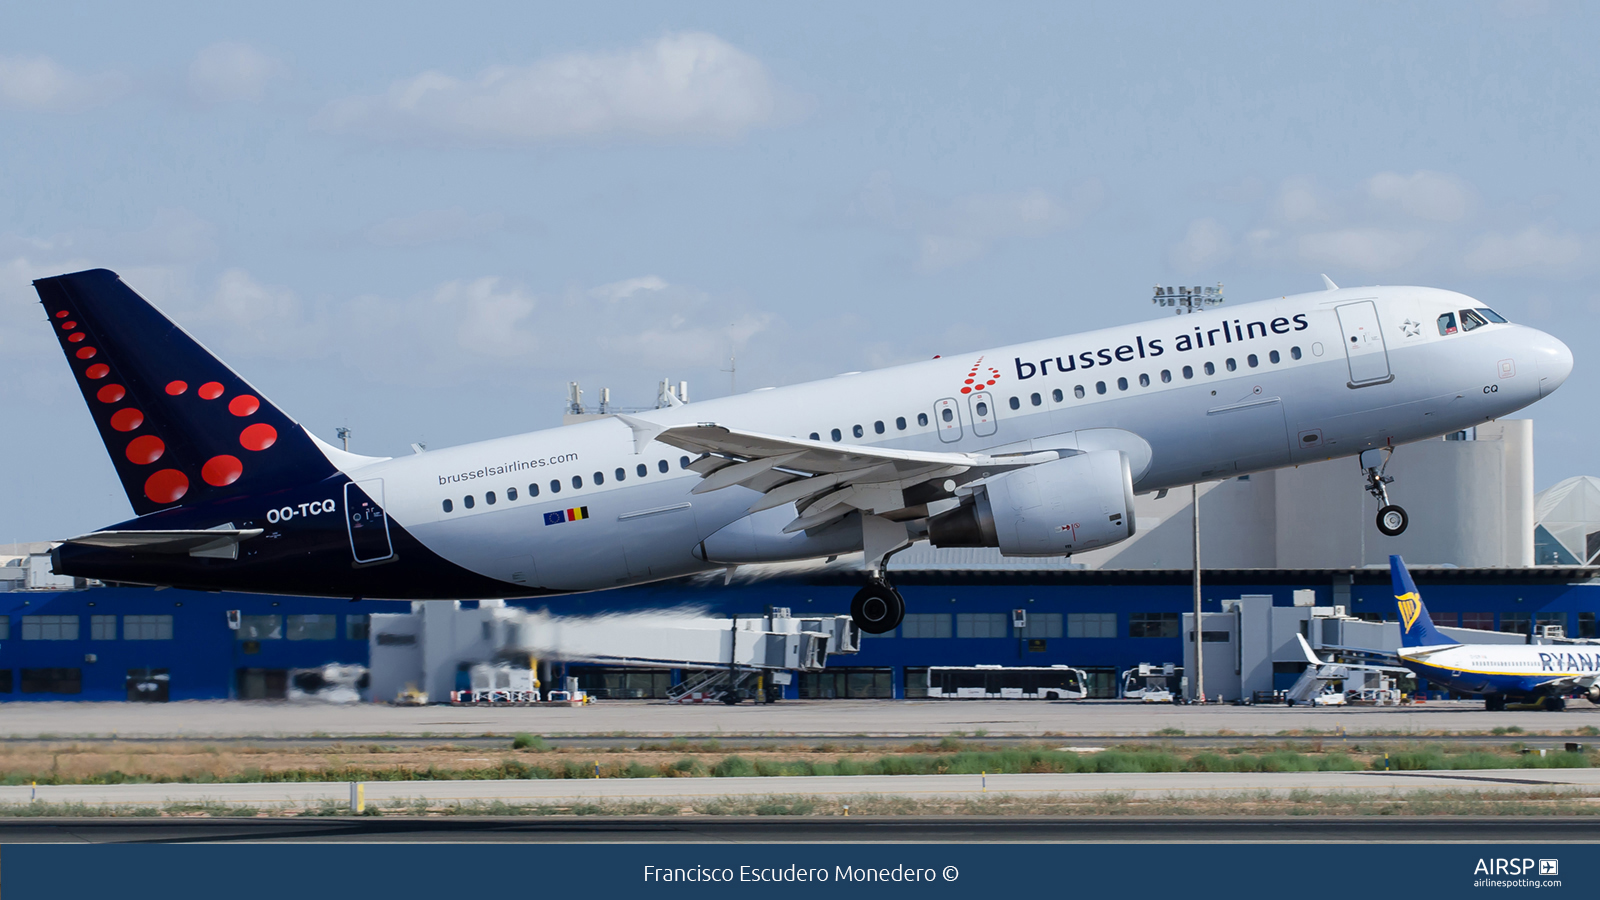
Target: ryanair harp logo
pixel 566 515
pixel 1410 608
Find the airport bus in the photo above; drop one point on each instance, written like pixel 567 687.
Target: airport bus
pixel 1007 683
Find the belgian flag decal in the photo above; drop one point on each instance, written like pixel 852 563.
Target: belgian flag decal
pixel 566 515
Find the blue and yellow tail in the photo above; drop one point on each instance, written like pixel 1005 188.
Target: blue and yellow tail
pixel 1416 627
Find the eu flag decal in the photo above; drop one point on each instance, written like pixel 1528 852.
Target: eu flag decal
pixel 566 515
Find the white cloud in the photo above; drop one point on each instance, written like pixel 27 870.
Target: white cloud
pixel 1299 200
pixel 40 84
pixel 681 85
pixel 1532 247
pixel 964 229
pixel 1423 195
pixel 1207 242
pixel 622 290
pixel 1365 249
pixel 438 226
pixel 247 317
pixel 228 71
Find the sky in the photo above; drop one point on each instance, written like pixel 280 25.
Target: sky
pixel 421 221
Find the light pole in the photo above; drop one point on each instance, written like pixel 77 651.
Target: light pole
pixel 1183 300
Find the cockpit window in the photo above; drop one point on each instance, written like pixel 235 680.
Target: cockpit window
pixel 1491 315
pixel 1471 320
pixel 1447 323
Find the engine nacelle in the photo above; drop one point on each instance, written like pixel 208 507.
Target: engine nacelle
pixel 1055 509
pixel 1593 694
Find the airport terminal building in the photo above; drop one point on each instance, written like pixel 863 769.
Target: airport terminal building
pixel 1486 553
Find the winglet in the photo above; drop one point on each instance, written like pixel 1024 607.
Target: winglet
pixel 643 431
pixel 1311 655
pixel 1329 282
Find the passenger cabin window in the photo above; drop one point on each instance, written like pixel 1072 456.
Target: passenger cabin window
pixel 1252 361
pixel 533 490
pixel 815 436
pixel 661 464
pixel 641 470
pixel 622 474
pixel 511 493
pixel 599 478
pixel 1099 387
pixel 1491 315
pixel 1294 352
pixel 878 426
pixel 836 434
pixel 1166 376
pixel 1144 380
pixel 1122 384
pixel 555 485
pixel 1274 357
pixel 1188 372
pixel 1056 395
pixel 1471 320
pixel 683 462
pixel 1447 323
pixel 467 501
pixel 488 497
pixel 947 415
pixel 1015 404
pixel 983 408
pixel 1036 400
pixel 1077 391
pixel 922 419
pixel 577 482
pixel 1232 366
pixel 1211 369
pixel 448 506
pixel 857 431
pixel 900 423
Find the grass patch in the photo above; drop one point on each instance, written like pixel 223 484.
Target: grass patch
pixel 525 741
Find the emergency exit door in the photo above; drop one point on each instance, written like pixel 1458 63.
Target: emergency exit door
pixel 947 418
pixel 1363 344
pixel 368 525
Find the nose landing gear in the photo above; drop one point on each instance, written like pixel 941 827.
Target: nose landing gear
pixel 1392 518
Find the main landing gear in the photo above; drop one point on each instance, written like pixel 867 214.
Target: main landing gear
pixel 1392 518
pixel 878 607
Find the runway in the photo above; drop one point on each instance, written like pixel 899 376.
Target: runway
pixel 823 719
pixel 853 830
pixel 564 792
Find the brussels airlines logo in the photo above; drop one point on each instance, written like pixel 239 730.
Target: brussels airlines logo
pixel 977 382
pixel 1410 608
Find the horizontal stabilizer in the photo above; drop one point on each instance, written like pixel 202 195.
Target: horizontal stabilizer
pixel 222 543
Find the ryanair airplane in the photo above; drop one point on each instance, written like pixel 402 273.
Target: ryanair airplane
pixel 1036 449
pixel 1541 674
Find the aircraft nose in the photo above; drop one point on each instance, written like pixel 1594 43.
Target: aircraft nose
pixel 1554 362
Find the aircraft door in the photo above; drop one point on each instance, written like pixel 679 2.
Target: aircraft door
pixel 1363 344
pixel 366 521
pixel 983 414
pixel 947 418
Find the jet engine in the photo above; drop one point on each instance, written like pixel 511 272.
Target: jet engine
pixel 1593 694
pixel 1055 509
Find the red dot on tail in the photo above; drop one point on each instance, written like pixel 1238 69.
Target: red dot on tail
pixel 111 393
pixel 75 337
pixel 68 326
pixel 86 352
pixel 176 387
pixel 145 449
pixel 127 419
pixel 258 437
pixel 166 486
pixel 211 390
pixel 221 471
pixel 61 314
pixel 243 405
pixel 98 370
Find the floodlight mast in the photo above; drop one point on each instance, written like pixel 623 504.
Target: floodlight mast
pixel 1183 300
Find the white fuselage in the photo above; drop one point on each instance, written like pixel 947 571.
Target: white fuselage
pixel 1189 398
pixel 1504 668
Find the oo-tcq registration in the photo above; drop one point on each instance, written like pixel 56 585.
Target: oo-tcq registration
pixel 1036 448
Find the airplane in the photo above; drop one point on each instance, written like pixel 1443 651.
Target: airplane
pixel 1036 449
pixel 1541 675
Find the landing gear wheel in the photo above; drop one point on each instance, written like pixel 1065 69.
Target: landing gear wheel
pixel 877 608
pixel 1555 704
pixel 1494 702
pixel 1392 520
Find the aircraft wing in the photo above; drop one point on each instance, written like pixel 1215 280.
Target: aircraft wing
pixel 824 480
pixel 219 542
pixel 1568 684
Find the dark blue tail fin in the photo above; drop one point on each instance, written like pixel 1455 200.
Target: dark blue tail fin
pixel 1416 628
pixel 181 427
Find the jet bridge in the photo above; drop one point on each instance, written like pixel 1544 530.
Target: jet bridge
pixel 424 649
